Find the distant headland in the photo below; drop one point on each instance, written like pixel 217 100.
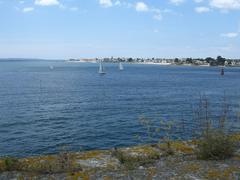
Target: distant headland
pixel 209 61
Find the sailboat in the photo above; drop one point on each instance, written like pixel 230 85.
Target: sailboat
pixel 120 66
pixel 51 67
pixel 101 70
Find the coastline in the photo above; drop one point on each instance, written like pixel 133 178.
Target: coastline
pixel 143 162
pixel 152 63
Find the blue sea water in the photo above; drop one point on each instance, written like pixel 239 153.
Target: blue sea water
pixel 43 109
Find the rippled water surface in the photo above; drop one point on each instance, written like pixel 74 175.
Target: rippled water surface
pixel 45 105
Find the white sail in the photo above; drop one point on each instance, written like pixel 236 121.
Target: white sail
pixel 120 66
pixel 101 70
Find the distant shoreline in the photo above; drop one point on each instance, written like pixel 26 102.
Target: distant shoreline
pixel 152 63
pixel 94 61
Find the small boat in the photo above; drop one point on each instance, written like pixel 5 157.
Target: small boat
pixel 101 69
pixel 121 66
pixel 51 67
pixel 222 71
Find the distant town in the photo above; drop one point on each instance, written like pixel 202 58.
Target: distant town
pixel 209 61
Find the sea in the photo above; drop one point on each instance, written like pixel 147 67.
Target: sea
pixel 48 105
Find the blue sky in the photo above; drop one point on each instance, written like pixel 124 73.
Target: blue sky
pixel 64 29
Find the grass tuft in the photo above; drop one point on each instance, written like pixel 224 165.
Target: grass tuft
pixel 215 145
pixel 11 164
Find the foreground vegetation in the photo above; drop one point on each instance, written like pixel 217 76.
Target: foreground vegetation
pixel 144 162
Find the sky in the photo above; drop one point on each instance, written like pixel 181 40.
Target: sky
pixel 62 29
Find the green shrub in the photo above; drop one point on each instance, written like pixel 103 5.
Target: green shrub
pixel 215 145
pixel 11 164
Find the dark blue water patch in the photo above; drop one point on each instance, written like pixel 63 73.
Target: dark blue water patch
pixel 43 109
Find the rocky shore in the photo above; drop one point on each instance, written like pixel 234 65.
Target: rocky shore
pixel 139 162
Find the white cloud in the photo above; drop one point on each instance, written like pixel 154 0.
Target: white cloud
pixel 106 3
pixel 177 2
pixel 141 7
pixel 225 4
pixel 230 35
pixel 158 17
pixel 202 9
pixel 138 6
pixel 28 9
pixel 117 3
pixel 47 2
